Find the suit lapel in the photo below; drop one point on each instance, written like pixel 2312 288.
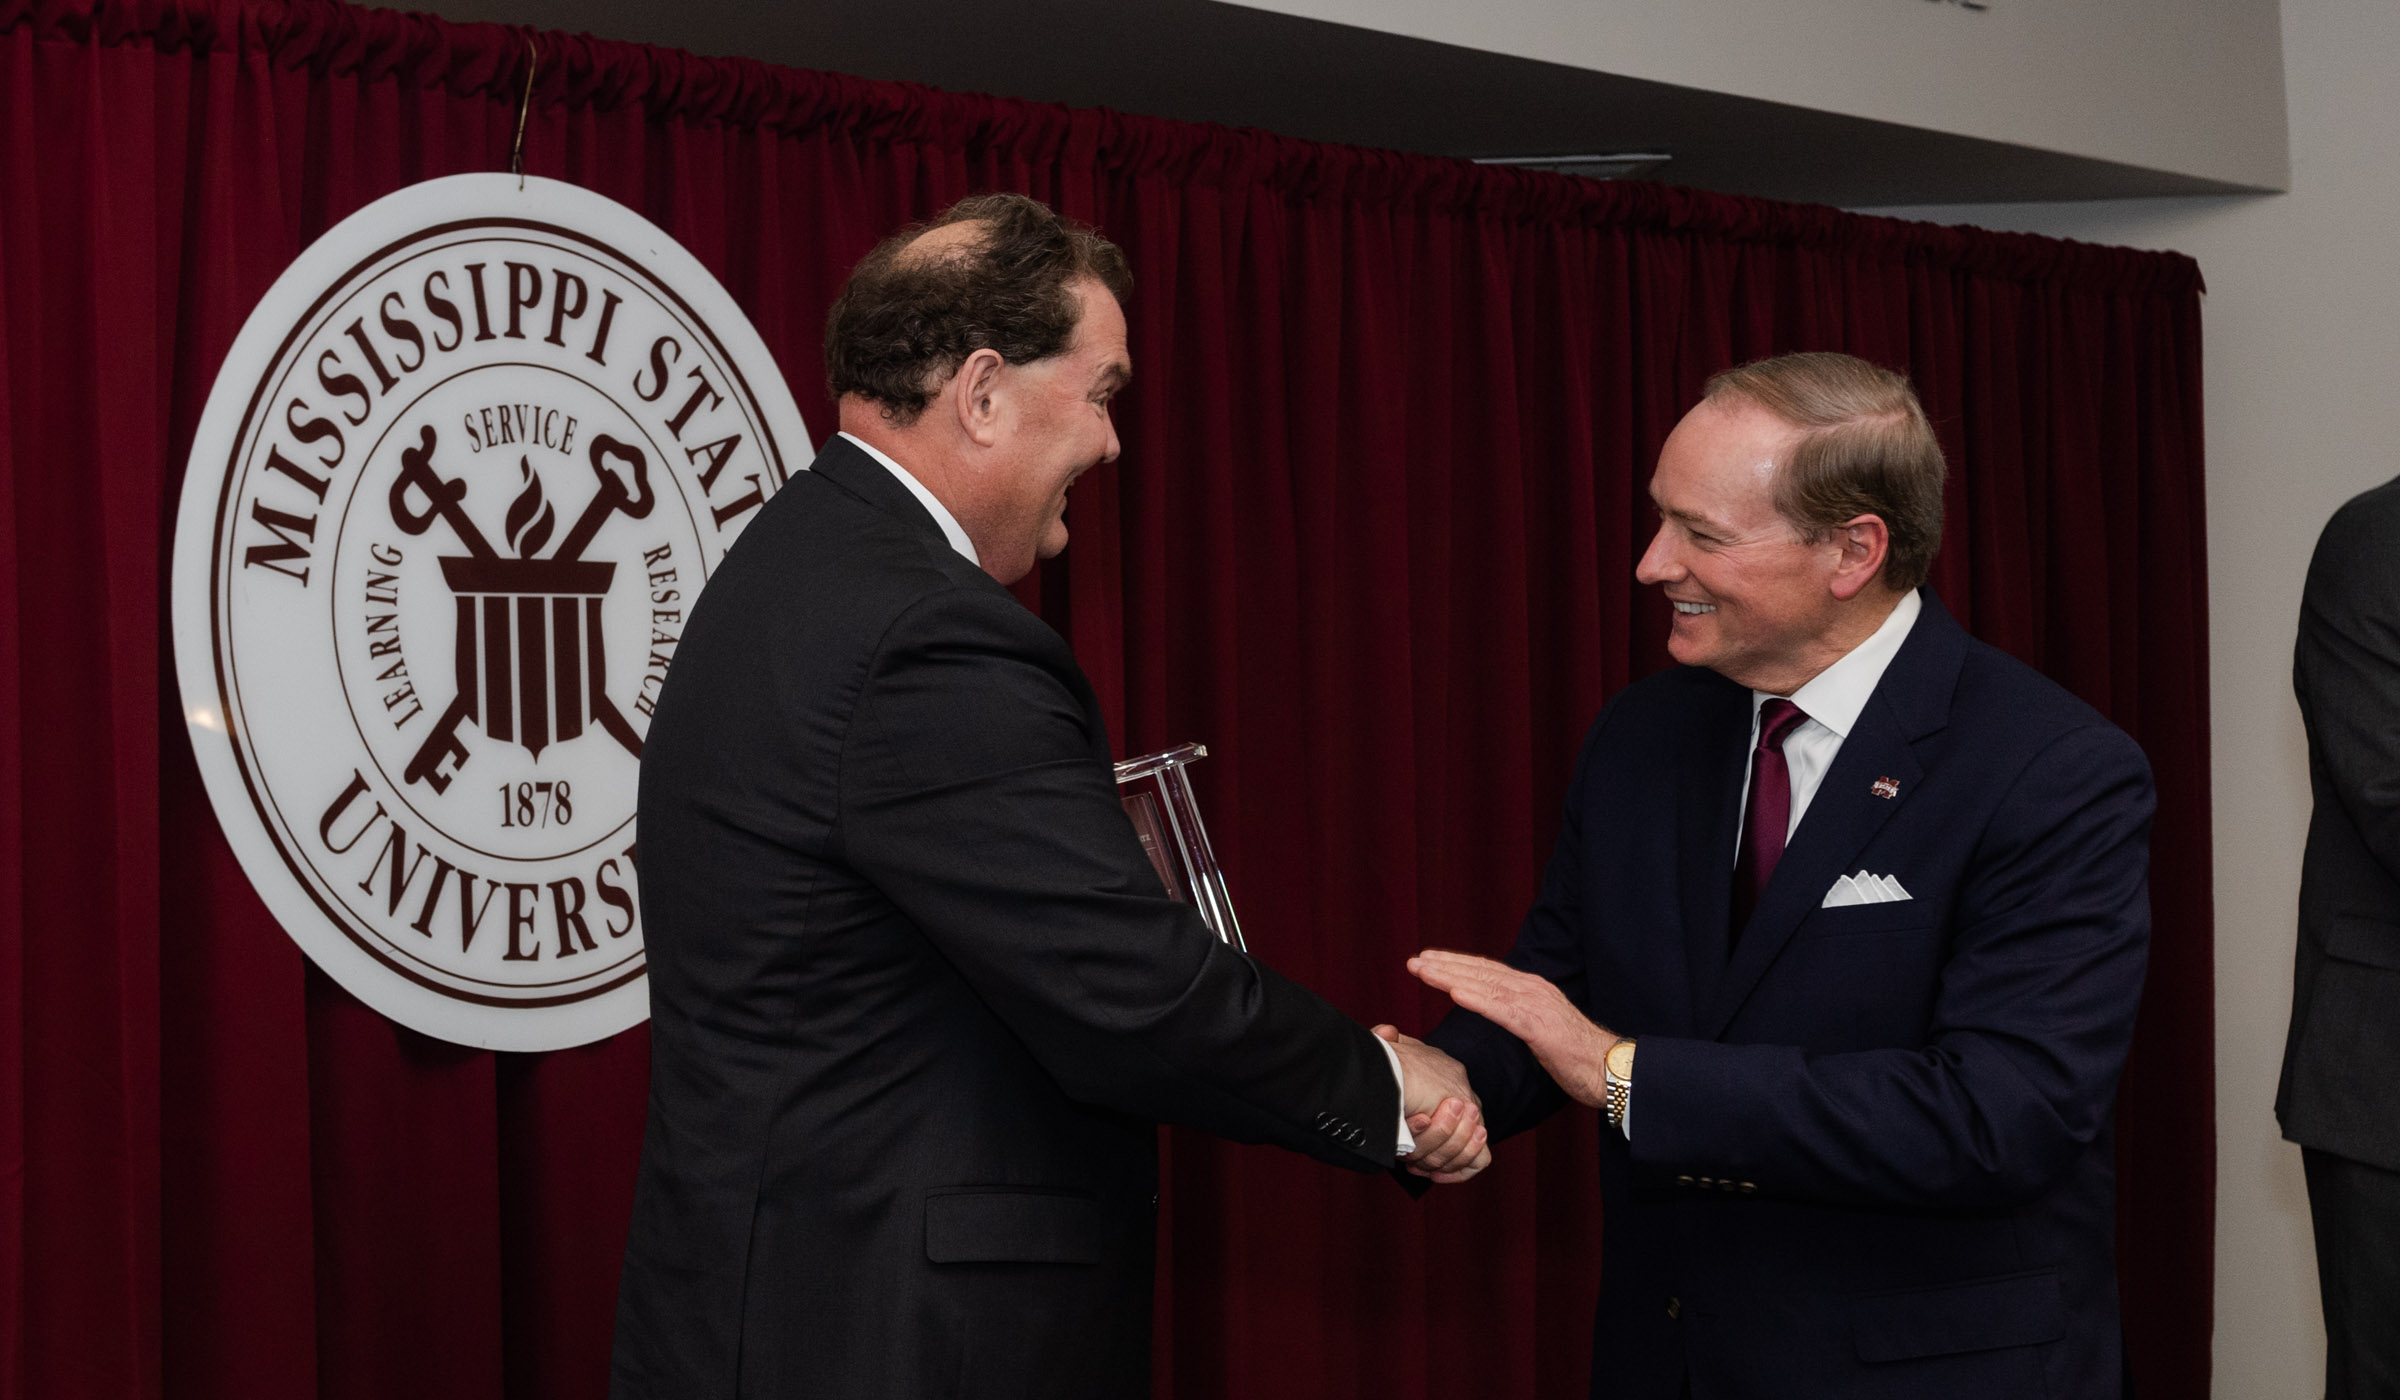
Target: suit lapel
pixel 1707 813
pixel 846 466
pixel 1911 702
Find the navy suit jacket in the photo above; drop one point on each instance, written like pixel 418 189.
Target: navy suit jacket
pixel 1871 1151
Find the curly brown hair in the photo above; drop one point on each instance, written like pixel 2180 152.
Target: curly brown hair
pixel 903 325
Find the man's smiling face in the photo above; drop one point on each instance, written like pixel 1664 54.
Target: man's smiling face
pixel 1060 427
pixel 1752 600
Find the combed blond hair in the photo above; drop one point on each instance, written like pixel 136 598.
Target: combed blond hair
pixel 1865 449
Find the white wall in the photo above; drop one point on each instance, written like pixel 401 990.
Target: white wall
pixel 2191 86
pixel 2302 326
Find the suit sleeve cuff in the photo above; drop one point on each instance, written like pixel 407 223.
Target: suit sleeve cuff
pixel 1711 1102
pixel 1405 1140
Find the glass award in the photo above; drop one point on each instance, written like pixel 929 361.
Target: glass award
pixel 1158 797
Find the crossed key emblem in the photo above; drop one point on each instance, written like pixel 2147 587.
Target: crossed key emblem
pixel 531 666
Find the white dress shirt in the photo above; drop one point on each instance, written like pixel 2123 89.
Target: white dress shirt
pixel 1832 700
pixel 957 536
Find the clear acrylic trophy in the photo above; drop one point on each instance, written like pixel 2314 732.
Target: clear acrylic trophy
pixel 1158 797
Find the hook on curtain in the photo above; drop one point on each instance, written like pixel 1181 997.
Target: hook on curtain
pixel 516 154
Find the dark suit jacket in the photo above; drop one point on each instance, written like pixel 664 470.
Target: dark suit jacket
pixel 917 997
pixel 2341 1063
pixel 1871 1155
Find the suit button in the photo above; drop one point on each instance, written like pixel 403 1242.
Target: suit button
pixel 1725 1185
pixel 1674 1307
pixel 1683 1181
pixel 1749 1188
pixel 1706 1182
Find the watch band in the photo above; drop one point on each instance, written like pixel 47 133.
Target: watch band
pixel 1619 1085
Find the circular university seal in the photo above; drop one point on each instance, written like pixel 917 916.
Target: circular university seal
pixel 459 480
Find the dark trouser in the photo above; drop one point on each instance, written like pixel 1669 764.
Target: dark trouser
pixel 2356 1210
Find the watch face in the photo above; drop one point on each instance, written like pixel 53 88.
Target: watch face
pixel 1620 1059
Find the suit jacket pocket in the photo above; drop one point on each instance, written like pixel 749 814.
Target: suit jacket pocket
pixel 1012 1225
pixel 2012 1310
pixel 2363 940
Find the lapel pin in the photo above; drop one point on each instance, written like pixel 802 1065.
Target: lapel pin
pixel 1886 787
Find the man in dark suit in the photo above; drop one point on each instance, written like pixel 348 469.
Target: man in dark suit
pixel 1844 933
pixel 2340 1096
pixel 918 999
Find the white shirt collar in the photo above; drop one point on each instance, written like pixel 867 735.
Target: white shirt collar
pixel 951 529
pixel 1836 695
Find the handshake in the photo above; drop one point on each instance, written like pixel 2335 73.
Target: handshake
pixel 1444 1113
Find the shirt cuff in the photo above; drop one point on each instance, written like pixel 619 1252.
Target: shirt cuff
pixel 1407 1140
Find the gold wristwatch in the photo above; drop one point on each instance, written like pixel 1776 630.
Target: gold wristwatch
pixel 1620 1080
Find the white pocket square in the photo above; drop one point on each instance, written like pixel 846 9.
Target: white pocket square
pixel 1863 888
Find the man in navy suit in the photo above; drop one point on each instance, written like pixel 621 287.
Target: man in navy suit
pixel 1844 934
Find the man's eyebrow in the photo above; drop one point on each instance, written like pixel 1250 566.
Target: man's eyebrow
pixel 1114 375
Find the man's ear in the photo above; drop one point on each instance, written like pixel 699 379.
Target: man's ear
pixel 1865 542
pixel 974 393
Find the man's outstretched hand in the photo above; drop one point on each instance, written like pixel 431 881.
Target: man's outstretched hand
pixel 1532 1009
pixel 1444 1115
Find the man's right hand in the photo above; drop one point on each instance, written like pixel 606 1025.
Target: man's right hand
pixel 1444 1114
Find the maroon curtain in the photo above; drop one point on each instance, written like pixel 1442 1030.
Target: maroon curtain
pixel 1372 539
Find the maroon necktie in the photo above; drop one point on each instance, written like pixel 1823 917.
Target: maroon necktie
pixel 1769 813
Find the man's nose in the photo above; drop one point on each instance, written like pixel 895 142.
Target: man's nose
pixel 1658 563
